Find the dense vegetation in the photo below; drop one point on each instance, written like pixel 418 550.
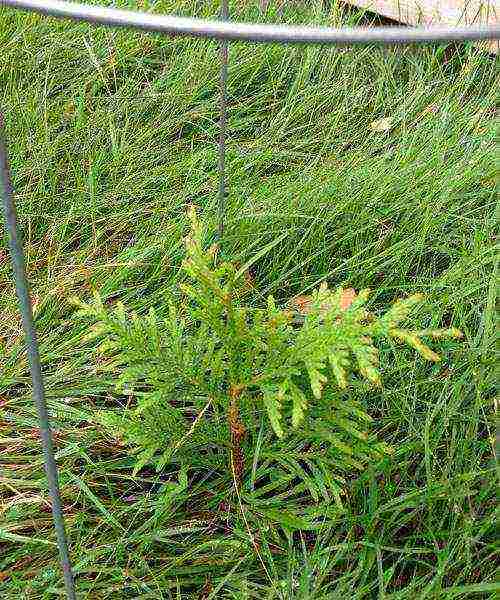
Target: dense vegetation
pixel 361 167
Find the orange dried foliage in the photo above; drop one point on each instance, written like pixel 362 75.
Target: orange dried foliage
pixel 303 304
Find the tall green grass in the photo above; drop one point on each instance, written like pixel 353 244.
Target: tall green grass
pixel 111 134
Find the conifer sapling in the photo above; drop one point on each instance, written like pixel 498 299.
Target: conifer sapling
pixel 212 354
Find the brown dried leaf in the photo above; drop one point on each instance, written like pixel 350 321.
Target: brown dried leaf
pixel 303 304
pixel 347 298
pixel 381 125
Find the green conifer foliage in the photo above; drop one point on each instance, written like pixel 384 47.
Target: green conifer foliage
pixel 201 377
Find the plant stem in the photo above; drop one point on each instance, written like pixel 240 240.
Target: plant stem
pixel 238 432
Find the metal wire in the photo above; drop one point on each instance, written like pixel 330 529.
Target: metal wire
pixel 23 295
pixel 223 123
pixel 251 32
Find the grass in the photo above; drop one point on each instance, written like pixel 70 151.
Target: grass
pixel 111 134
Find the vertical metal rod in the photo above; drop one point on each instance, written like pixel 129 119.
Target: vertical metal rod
pixel 223 123
pixel 23 295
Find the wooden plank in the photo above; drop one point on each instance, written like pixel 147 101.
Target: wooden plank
pixel 445 12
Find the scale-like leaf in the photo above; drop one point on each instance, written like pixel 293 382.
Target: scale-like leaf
pixel 272 402
pixel 299 404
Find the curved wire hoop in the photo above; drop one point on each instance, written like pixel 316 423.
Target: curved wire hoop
pixel 251 32
pixel 223 30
